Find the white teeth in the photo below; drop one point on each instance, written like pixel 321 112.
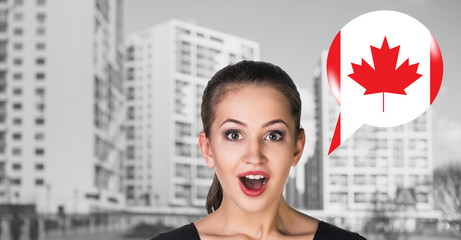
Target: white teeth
pixel 254 176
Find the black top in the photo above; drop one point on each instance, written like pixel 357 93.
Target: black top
pixel 325 231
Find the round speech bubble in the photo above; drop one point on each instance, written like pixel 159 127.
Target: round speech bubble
pixel 384 69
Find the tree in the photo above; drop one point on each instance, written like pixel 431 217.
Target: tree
pixel 388 217
pixel 447 195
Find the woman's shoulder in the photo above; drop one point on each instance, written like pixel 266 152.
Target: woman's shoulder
pixel 326 231
pixel 185 232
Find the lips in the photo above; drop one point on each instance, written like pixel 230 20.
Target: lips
pixel 253 183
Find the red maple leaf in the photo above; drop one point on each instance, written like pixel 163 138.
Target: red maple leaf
pixel 385 77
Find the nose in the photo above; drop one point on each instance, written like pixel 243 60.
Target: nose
pixel 254 152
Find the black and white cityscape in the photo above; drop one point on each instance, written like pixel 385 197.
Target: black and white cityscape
pixel 100 116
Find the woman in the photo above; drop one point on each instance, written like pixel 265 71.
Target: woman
pixel 252 136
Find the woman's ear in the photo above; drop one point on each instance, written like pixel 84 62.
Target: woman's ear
pixel 300 141
pixel 204 144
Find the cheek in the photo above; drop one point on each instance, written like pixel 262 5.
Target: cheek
pixel 280 158
pixel 226 156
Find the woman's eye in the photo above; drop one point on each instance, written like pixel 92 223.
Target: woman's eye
pixel 274 136
pixel 233 135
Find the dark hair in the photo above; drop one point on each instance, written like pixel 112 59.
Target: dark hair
pixel 244 73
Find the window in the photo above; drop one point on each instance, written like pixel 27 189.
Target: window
pixel 17 91
pixel 338 197
pixel 130 192
pixel 182 149
pixel 17 46
pixel 359 179
pixel 17 151
pixel 40 76
pixel 41 2
pixel 18 16
pixel 338 179
pixel 16 166
pixel 182 191
pixel 39 182
pixel 360 197
pixel 130 73
pixel 17 76
pixel 202 192
pixel 130 93
pixel 17 31
pixel 130 154
pixel 17 106
pixel 39 121
pixel 41 17
pixel 40 61
pixel 130 172
pixel 39 166
pixel 17 61
pixel 40 107
pixel 40 31
pixel 422 197
pixel 130 113
pixel 39 136
pixel 17 136
pixel 17 121
pixel 204 172
pixel 398 180
pixel 16 181
pixel 39 151
pixel 183 170
pixel 40 46
pixel 40 92
pixel 338 161
pixel 18 2
pixel 130 133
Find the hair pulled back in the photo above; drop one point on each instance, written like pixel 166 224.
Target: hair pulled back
pixel 241 74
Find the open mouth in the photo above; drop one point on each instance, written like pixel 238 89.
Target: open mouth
pixel 253 183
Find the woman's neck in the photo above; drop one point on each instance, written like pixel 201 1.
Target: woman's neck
pixel 256 225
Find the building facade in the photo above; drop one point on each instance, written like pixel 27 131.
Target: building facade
pixel 373 165
pixel 61 104
pixel 168 66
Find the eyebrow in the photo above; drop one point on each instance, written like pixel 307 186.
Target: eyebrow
pixel 264 125
pixel 274 122
pixel 233 121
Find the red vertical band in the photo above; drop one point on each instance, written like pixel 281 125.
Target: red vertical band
pixel 334 67
pixel 436 68
pixel 336 141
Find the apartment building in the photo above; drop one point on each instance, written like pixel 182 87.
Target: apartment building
pixel 61 104
pixel 168 66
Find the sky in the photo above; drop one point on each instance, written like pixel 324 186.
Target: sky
pixel 292 34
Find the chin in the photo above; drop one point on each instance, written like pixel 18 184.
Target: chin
pixel 255 204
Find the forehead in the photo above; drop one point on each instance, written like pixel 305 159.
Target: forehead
pixel 253 104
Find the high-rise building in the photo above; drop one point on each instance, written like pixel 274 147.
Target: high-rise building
pixel 168 66
pixel 61 104
pixel 374 164
pixel 295 185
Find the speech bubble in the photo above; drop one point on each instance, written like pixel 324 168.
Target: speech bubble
pixel 384 69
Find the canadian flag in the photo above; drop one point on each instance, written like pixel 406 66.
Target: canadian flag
pixel 384 69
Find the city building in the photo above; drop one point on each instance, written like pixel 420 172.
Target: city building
pixel 375 164
pixel 295 185
pixel 61 105
pixel 168 66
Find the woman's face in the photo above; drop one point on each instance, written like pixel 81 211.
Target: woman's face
pixel 252 145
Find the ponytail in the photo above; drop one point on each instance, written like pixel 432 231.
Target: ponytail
pixel 214 197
